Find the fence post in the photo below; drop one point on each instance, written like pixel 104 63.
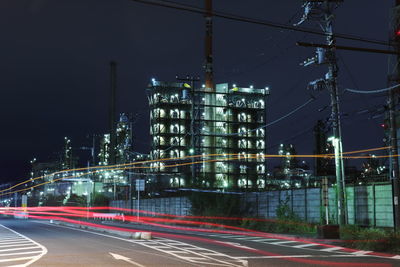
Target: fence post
pixel 355 203
pixel 305 205
pixel 374 203
pixel 291 199
pixel 267 204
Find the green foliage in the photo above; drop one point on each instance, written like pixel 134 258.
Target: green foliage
pixel 33 202
pixel 52 200
pixel 76 201
pixel 101 200
pixel 215 204
pixel 287 222
pixel 370 238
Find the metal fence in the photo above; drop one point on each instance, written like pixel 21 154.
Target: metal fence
pixel 367 205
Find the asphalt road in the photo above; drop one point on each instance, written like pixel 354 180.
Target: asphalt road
pixel 39 243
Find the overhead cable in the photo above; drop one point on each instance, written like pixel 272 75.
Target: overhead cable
pixel 373 91
pixel 198 10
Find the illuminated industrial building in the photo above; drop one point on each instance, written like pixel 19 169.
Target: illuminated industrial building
pixel 228 121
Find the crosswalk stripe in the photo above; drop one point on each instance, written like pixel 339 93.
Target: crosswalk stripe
pixel 305 245
pixel 331 249
pixel 361 252
pixel 12 249
pixel 27 243
pixel 266 240
pixel 11 238
pixel 248 238
pixel 18 259
pixel 20 253
pixel 282 242
pixel 13 241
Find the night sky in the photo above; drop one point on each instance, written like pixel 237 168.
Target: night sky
pixel 54 69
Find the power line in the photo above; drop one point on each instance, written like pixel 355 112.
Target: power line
pixel 228 16
pixel 373 91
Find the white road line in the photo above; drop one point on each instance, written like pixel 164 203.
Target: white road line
pixel 147 244
pixel 397 257
pixel 178 251
pixel 361 252
pixel 277 257
pixel 13 242
pixel 10 239
pixel 331 249
pixel 19 259
pixel 26 243
pixel 266 240
pixel 299 256
pixel 305 245
pixel 13 249
pixel 33 259
pixel 248 238
pixel 20 253
pixel 230 236
pixel 283 242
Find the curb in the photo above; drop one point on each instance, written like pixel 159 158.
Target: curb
pixel 126 234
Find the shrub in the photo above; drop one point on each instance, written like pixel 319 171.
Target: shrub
pixel 370 238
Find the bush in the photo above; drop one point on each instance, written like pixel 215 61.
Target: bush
pixel 101 200
pixel 370 238
pixel 76 201
pixel 215 204
pixel 53 201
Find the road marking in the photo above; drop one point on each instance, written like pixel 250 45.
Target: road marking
pixel 283 242
pixel 11 239
pixel 299 256
pixel 146 243
pixel 123 258
pixel 20 253
pixel 26 243
pixel 34 246
pixel 305 245
pixel 361 252
pixel 12 249
pixel 397 257
pixel 236 245
pixel 266 240
pixel 19 259
pixel 248 238
pixel 331 249
pixel 13 242
pixel 277 257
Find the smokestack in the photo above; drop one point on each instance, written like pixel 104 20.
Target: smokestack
pixel 113 80
pixel 208 66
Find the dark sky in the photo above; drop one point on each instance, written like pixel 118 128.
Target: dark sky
pixel 54 72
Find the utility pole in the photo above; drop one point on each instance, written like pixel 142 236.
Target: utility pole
pixel 394 77
pixel 323 11
pixel 113 81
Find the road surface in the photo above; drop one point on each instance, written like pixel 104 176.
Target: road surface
pixel 40 243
